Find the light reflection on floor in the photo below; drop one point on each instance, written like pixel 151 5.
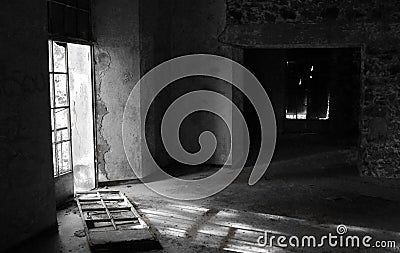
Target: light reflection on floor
pixel 237 231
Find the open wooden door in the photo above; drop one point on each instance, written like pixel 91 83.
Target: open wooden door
pixel 82 116
pixel 72 120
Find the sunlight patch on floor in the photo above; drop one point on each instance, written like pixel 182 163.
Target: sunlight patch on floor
pixel 237 231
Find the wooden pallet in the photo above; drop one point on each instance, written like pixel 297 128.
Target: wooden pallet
pixel 112 223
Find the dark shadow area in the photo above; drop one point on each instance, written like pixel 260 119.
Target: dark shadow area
pixel 192 126
pixel 316 98
pixel 200 171
pixel 315 94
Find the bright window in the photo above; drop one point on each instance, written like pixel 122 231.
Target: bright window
pixel 60 108
pixel 308 96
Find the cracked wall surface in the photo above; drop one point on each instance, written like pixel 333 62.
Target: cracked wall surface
pixel 117 71
pixel 133 37
pixel 373 26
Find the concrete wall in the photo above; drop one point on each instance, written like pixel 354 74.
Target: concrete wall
pixel 132 37
pixel 155 48
pixel 175 28
pixel 117 69
pixel 196 26
pixel 372 25
pixel 169 29
pixel 27 184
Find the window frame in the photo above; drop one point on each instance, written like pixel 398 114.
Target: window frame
pixel 63 36
pixel 306 103
pixel 54 108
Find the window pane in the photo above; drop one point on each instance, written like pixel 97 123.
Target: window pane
pixel 62 118
pixel 307 90
pixel 291 108
pixel 302 104
pixel 59 58
pixel 83 24
pixel 66 18
pixel 56 18
pixel 62 135
pixel 70 26
pixel 51 91
pixel 60 82
pixel 63 159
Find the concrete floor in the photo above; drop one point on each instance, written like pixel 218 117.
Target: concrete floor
pixel 307 195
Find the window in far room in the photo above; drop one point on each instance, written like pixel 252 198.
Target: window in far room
pixel 308 95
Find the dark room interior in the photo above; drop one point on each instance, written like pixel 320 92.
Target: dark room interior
pixel 97 154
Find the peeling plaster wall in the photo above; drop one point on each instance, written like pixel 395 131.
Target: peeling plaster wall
pixel 132 37
pixel 374 26
pixel 27 183
pixel 174 28
pixel 117 69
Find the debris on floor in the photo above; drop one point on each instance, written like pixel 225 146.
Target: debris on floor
pixel 111 222
pixel 80 233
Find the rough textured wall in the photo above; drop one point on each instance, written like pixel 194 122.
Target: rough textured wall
pixel 133 37
pixel 27 184
pixel 117 65
pixel 174 28
pixel 196 26
pixel 310 11
pixel 155 25
pixel 372 25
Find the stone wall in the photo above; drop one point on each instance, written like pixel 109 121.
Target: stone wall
pixel 310 11
pixel 373 26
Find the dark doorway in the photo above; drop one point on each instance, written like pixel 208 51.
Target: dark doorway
pixel 315 94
